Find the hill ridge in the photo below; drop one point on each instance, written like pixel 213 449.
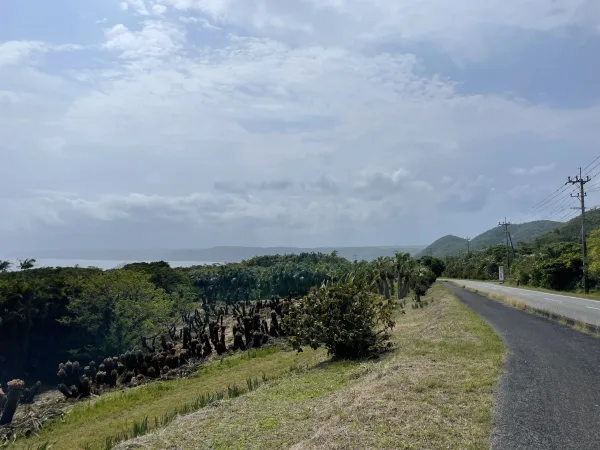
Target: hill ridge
pixel 451 245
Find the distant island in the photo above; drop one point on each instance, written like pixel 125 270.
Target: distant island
pixel 219 254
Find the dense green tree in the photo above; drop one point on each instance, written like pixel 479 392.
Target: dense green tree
pixel 344 316
pixel 117 308
pixel 436 265
pixel 594 254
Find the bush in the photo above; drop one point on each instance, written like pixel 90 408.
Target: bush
pixel 345 317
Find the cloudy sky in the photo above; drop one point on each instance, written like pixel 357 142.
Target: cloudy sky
pixel 173 123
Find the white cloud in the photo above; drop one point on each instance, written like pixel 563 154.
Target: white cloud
pixel 535 170
pixel 155 39
pixel 16 52
pixel 159 9
pixel 202 21
pixel 350 21
pixel 138 6
pixel 299 119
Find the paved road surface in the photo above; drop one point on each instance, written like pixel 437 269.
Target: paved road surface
pixel 549 396
pixel 587 311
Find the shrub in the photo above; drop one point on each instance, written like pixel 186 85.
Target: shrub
pixel 345 317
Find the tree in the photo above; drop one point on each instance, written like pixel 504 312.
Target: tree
pixel 27 263
pixel 118 308
pixel 404 267
pixel 5 266
pixel 594 253
pixel 436 265
pixel 344 316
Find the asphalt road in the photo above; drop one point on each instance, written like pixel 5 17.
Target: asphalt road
pixel 587 311
pixel 549 395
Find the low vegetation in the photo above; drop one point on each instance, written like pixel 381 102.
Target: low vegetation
pixel 108 419
pixel 434 389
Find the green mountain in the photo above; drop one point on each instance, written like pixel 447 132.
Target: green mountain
pixel 445 246
pixel 571 230
pixel 525 232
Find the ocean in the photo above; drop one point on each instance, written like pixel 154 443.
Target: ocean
pixel 104 264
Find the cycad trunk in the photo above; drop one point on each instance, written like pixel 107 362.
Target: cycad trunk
pixel 14 392
pixel 402 288
pixel 386 289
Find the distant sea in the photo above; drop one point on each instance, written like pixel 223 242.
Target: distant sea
pixel 104 264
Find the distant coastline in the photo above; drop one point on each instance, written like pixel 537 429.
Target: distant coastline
pixel 104 264
pixel 192 256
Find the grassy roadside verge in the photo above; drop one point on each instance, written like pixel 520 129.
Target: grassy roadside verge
pixel 517 302
pixel 433 391
pixel 89 424
pixel 591 296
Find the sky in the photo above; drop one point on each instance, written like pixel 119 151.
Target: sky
pixel 195 123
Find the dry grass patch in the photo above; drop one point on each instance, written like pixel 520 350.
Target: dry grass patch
pixel 433 391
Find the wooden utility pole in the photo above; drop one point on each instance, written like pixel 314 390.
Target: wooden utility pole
pixel 579 180
pixel 468 259
pixel 505 224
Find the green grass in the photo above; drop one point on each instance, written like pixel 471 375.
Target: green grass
pixel 89 424
pixel 434 390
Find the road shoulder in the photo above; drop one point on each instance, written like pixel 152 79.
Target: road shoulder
pixel 547 398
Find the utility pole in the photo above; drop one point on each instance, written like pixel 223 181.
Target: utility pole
pixel 579 180
pixel 505 224
pixel 468 259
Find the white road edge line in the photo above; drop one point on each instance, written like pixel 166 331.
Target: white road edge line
pixel 556 295
pixel 591 307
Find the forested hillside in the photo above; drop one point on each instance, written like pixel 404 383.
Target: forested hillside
pixel 526 232
pixel 444 246
pixel 571 230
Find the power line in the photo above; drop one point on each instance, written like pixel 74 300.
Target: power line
pixel 552 205
pixel 568 216
pixel 551 199
pixel 589 171
pixel 536 208
pixel 585 168
pixel 595 175
pixel 560 207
